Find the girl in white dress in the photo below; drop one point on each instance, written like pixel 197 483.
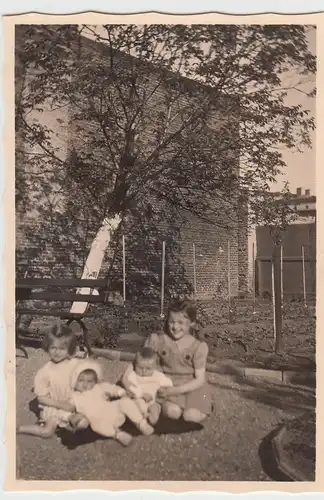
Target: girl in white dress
pixel 52 384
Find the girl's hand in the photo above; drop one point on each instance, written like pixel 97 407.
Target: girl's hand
pixel 168 391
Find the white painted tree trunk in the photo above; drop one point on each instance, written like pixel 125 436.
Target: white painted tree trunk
pixel 94 260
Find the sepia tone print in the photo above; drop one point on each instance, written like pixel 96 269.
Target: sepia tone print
pixel 165 215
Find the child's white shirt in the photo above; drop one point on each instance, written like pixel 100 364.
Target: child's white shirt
pixel 147 385
pixel 53 380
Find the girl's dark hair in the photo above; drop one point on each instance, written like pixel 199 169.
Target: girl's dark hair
pixel 60 331
pixel 185 306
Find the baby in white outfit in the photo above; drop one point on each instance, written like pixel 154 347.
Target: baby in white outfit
pixel 91 399
pixel 142 381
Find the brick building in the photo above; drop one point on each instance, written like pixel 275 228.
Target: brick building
pixel 47 243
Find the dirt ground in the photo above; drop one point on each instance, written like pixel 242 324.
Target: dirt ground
pixel 232 446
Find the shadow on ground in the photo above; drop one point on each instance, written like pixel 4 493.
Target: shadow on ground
pixel 164 426
pixel 267 391
pixel 268 460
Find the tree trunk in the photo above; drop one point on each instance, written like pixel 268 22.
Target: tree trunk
pixel 94 260
pixel 277 299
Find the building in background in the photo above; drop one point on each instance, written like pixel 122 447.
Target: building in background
pixel 299 239
pixel 50 246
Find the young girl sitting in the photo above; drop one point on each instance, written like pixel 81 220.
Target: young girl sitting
pixel 91 398
pixel 142 381
pixel 52 384
pixel 182 358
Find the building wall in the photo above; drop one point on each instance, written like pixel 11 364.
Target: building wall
pixel 295 237
pixel 50 246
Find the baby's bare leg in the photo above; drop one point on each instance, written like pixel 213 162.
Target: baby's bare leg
pixel 104 427
pixel 154 411
pixel 45 431
pixel 142 406
pixel 130 409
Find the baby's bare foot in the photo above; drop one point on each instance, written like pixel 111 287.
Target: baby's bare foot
pixel 123 438
pixel 154 413
pixel 145 428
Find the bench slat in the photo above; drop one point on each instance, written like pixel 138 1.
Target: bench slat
pixel 58 297
pixel 61 282
pixel 55 313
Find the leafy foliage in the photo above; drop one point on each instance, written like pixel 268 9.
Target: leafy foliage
pixel 276 212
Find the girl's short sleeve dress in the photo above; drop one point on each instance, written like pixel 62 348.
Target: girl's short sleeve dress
pixel 53 380
pixel 180 365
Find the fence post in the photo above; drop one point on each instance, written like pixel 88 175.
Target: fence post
pixel 281 275
pixel 124 270
pixel 276 298
pixel 253 278
pixel 230 315
pixel 162 279
pixel 304 276
pixel 194 269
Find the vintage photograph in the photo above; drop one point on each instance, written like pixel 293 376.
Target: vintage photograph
pixel 165 225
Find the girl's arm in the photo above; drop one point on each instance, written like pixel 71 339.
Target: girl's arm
pixel 60 405
pixel 190 386
pixel 163 380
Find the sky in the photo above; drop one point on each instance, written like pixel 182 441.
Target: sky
pixel 301 167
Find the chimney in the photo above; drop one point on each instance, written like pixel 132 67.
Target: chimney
pixel 298 191
pixel 307 192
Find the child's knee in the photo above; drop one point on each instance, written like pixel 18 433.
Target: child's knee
pixel 193 415
pixel 171 410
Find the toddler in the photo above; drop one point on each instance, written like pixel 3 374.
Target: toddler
pixel 52 384
pixel 142 381
pixel 91 398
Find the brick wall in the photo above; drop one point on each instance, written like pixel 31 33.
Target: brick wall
pixel 48 242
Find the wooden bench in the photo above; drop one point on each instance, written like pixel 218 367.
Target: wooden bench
pixel 58 291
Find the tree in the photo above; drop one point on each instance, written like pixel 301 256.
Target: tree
pixel 276 213
pixel 167 118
